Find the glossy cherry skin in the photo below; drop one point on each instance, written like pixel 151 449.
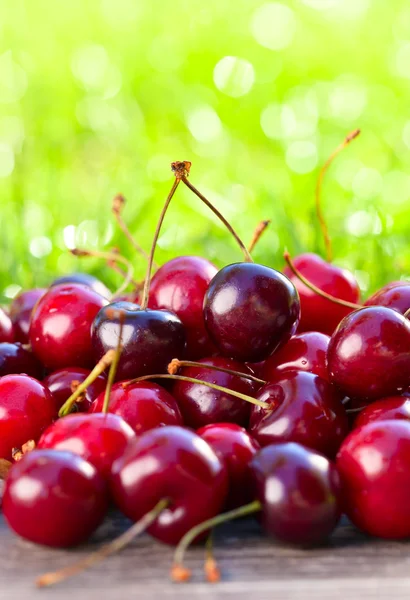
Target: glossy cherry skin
pixel 54 498
pixel 150 340
pixel 374 465
pixel 26 409
pixel 60 385
pixel 143 405
pixel 179 286
pixel 304 408
pixel 299 490
pixel 6 327
pixel 84 279
pixel 98 438
pixel 303 352
pixel 369 353
pixel 20 312
pixel 60 330
pixel 394 295
pixel 385 409
pixel 173 463
pixel 317 313
pixel 16 359
pixel 250 311
pixel 236 448
pixel 201 405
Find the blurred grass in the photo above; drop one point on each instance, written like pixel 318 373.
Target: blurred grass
pixel 99 96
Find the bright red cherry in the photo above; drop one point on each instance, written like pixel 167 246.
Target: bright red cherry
pixel 60 383
pixel 16 359
pixel 60 330
pixel 54 498
pixel 369 353
pixel 6 327
pixel 173 463
pixel 317 313
pixel 20 312
pixel 394 295
pixel 385 409
pixel 84 279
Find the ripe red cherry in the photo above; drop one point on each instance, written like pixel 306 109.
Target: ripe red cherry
pixel 179 286
pixel 236 448
pixel 394 295
pixel 250 311
pixel 20 312
pixel 317 313
pixel 54 498
pixel 385 409
pixel 369 353
pixel 84 279
pixel 303 352
pixel 299 490
pixel 374 465
pixel 60 330
pixel 173 463
pixel 6 327
pixel 60 385
pixel 143 405
pixel 16 359
pixel 26 409
pixel 305 409
pixel 201 405
pixel 98 438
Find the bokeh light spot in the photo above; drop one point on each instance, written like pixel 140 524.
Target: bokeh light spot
pixel 204 124
pixel 40 246
pixel 13 79
pixel 301 157
pixel 234 76
pixel 273 25
pixel 6 160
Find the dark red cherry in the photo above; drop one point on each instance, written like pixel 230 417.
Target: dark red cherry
pixel 6 327
pixel 60 330
pixel 98 438
pixel 304 408
pixel 236 448
pixel 150 340
pixel 385 409
pixel 369 353
pixel 173 463
pixel 374 465
pixel 317 313
pixel 20 312
pixel 179 286
pixel 26 409
pixel 299 490
pixel 250 311
pixel 61 382
pixel 54 498
pixel 394 295
pixel 143 405
pixel 84 279
pixel 16 359
pixel 304 352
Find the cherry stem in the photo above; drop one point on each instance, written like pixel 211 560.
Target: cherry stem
pixel 315 289
pixel 407 314
pixel 189 537
pixel 106 550
pixel 257 234
pixel 355 410
pixel 99 368
pixel 114 365
pixel 211 568
pixel 5 466
pixel 113 265
pixel 176 364
pixel 117 207
pixel 328 244
pixel 110 256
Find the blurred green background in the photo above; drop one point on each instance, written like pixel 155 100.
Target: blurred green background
pixel 99 96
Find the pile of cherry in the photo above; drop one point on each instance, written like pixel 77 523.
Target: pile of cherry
pixel 207 395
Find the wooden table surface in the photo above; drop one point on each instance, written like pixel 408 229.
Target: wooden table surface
pixel 253 567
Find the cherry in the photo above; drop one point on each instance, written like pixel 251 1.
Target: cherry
pixel 6 327
pixel 374 465
pixel 394 295
pixel 179 286
pixel 250 311
pixel 304 408
pixel 299 491
pixel 26 409
pixel 235 447
pixel 84 279
pixel 385 409
pixel 368 354
pixel 99 438
pixel 20 312
pixel 54 498
pixel 60 383
pixel 16 359
pixel 60 326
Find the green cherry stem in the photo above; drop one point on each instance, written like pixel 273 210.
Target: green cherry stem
pixel 114 365
pixel 176 364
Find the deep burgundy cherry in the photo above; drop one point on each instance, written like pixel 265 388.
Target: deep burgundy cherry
pixel 374 465
pixel 201 405
pixel 317 313
pixel 369 353
pixel 180 286
pixel 144 405
pixel 173 463
pixel 87 280
pixel 20 312
pixel 98 438
pixel 250 311
pixel 236 448
pixel 60 383
pixel 304 352
pixel 6 327
pixel 385 409
pixel 304 408
pixel 60 330
pixel 26 409
pixel 394 295
pixel 151 338
pixel 54 498
pixel 16 359
pixel 299 490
